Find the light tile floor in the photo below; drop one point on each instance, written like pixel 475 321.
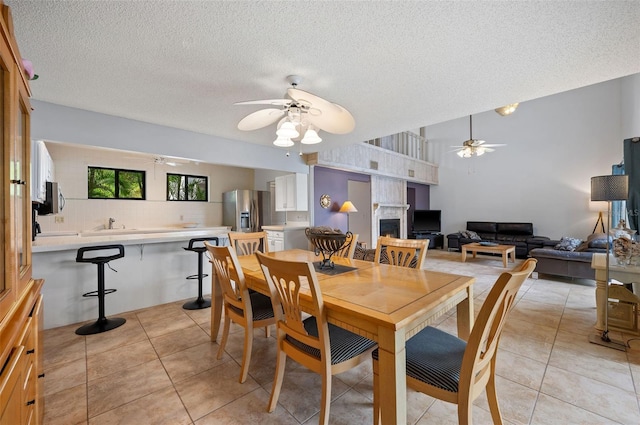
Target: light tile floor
pixel 161 368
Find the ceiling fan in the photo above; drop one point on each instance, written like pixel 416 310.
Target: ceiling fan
pixel 300 114
pixel 473 146
pixel 157 160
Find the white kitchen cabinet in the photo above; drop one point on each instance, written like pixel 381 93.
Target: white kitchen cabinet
pixel 291 192
pixel 276 241
pixel 288 238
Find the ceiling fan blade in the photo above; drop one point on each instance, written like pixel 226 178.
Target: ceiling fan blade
pixel 337 123
pixel 310 99
pixel 477 142
pixel 259 119
pixel 494 145
pixel 325 115
pixel 274 102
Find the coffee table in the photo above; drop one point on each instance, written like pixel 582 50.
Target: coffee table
pixel 505 250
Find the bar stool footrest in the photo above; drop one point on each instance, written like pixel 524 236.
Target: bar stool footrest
pixel 97 293
pixel 195 276
pixel 101 325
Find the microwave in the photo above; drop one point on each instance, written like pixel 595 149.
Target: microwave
pixel 54 201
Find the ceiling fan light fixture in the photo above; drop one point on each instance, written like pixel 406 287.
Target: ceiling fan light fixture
pixel 300 110
pixel 287 130
pixel 507 109
pixel 283 142
pixel 311 137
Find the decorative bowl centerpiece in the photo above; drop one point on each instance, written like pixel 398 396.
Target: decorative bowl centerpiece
pixel 327 241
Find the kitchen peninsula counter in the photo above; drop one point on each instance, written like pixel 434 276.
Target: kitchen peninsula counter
pixel 153 271
pixel 62 241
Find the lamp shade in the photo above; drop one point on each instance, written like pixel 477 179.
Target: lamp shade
pixel 283 142
pixel 508 109
pixel 347 207
pixel 610 188
pixel 311 137
pixel 288 130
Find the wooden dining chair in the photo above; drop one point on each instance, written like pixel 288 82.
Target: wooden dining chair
pixel 401 252
pixel 246 243
pixel 314 343
pixel 450 369
pixel 249 310
pixel 349 246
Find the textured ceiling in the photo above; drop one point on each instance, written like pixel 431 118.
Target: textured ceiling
pixel 395 65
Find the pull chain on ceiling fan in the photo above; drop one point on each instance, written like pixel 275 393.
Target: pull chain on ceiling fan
pixel 473 146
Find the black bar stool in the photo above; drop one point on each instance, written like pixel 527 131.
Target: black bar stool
pixel 102 324
pixel 199 302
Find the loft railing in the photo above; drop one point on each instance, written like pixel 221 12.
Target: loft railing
pixel 405 143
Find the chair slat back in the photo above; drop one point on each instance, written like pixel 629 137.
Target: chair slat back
pixel 401 252
pixel 482 347
pixel 249 242
pixel 229 274
pixel 349 247
pixel 286 279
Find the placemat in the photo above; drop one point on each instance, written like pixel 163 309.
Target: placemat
pixel 337 268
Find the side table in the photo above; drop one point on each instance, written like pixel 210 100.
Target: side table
pixel 623 315
pixel 436 240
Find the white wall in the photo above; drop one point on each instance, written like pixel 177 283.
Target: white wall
pixel 554 146
pixel 80 213
pixel 630 92
pixel 70 125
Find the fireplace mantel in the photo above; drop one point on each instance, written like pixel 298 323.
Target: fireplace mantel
pixel 377 206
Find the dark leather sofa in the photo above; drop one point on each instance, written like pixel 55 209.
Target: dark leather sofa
pixel 518 234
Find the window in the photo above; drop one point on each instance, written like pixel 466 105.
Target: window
pixel 114 183
pixel 181 187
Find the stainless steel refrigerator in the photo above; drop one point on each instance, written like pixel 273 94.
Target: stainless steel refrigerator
pixel 247 210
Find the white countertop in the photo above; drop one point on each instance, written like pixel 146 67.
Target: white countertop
pixel 285 227
pixel 62 241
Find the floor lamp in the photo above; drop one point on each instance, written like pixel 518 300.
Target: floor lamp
pixel 608 188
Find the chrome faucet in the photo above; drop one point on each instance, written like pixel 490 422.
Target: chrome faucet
pixel 111 221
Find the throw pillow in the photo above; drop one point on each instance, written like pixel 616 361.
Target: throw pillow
pixel 473 235
pixel 597 240
pixel 582 247
pixel 568 244
pixel 363 253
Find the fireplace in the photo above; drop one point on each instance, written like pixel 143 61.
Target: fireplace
pixel 390 227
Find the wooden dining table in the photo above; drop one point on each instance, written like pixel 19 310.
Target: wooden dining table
pixel 385 303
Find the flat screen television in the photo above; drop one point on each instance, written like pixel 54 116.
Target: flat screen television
pixel 426 221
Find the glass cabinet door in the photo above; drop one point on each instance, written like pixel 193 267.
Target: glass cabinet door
pixel 7 296
pixel 21 198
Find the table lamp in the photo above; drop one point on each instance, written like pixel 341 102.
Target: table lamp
pixel 608 188
pixel 348 207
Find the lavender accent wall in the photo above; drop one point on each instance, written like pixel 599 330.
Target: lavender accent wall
pixel 422 198
pixel 333 183
pixel 418 199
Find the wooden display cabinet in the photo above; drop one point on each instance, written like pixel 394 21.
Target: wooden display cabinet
pixel 21 306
